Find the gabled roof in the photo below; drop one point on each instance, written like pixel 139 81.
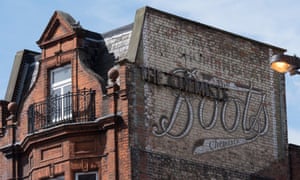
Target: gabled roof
pixel 60 25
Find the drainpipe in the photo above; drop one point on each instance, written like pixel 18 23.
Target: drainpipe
pixel 113 75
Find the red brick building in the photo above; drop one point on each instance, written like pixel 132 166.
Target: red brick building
pixel 162 98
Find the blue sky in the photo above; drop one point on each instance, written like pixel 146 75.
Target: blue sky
pixel 274 22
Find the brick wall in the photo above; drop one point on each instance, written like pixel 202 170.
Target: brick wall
pixel 196 102
pixel 67 148
pixel 4 162
pixel 3 115
pixel 117 42
pixel 206 96
pixel 161 166
pixel 294 157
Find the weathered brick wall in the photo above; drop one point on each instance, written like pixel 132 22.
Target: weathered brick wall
pixel 4 173
pixel 178 169
pixel 206 96
pixel 3 115
pixel 3 140
pixel 294 156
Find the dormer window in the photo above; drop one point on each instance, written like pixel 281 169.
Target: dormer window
pixel 60 92
pixel 62 106
pixel 59 102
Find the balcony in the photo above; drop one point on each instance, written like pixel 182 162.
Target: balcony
pixel 75 107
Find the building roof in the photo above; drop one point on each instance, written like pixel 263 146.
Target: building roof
pixel 117 31
pixel 67 17
pixel 62 20
pixel 21 75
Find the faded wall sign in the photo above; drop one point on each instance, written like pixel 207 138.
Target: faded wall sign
pixel 248 111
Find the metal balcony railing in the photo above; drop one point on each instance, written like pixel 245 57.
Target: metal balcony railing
pixel 69 108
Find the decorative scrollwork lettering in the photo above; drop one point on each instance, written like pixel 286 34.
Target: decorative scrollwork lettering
pixel 237 114
pixel 213 119
pixel 167 124
pixel 253 122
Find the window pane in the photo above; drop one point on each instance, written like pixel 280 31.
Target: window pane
pixel 67 102
pixel 60 107
pixel 67 89
pixel 61 74
pixel 56 92
pixel 87 177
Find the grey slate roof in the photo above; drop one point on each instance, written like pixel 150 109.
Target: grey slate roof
pixel 21 75
pixel 119 30
pixel 67 17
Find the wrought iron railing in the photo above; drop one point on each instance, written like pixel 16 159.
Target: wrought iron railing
pixel 68 108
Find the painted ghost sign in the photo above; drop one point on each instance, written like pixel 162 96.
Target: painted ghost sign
pixel 187 85
pixel 207 96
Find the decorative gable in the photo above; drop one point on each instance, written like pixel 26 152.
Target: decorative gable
pixel 61 25
pixel 57 31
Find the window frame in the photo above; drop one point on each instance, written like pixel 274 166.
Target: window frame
pixel 77 174
pixel 63 82
pixel 61 112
